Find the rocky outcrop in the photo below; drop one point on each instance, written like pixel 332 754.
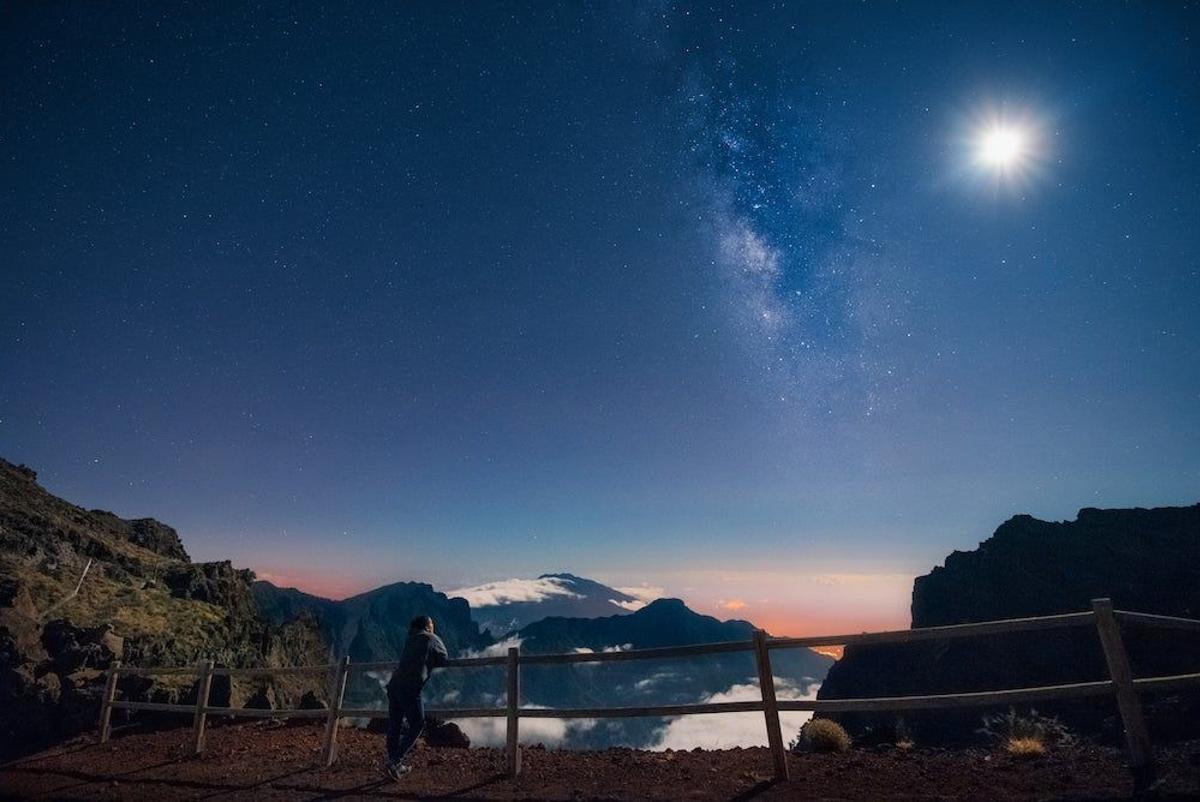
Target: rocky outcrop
pixel 1145 560
pixel 142 600
pixel 217 583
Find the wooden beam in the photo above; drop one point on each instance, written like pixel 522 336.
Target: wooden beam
pixel 1176 682
pixel 638 654
pixel 974 699
pixel 154 707
pixel 106 703
pixel 657 711
pixel 1137 738
pixel 265 712
pixel 265 671
pixel 766 683
pixel 437 712
pixel 456 662
pixel 1151 620
pixel 204 673
pixel 512 705
pixel 337 696
pixel 937 633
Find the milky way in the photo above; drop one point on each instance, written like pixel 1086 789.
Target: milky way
pixel 713 299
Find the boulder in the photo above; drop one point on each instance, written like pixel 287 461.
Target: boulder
pixel 70 647
pixel 444 734
pixel 262 698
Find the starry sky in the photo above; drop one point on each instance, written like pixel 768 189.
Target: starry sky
pixel 716 299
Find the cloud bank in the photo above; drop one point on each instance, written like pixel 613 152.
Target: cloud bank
pixel 509 591
pixel 727 730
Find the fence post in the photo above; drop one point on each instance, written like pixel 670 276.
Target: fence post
pixel 204 673
pixel 110 694
pixel 337 694
pixel 1137 738
pixel 514 702
pixel 766 683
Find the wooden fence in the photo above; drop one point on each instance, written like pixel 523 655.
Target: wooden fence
pixel 1107 622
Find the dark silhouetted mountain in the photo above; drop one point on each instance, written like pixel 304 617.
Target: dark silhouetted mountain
pixel 1145 560
pixel 662 623
pixel 508 605
pixel 372 626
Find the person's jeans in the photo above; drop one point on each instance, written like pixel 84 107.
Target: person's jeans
pixel 406 717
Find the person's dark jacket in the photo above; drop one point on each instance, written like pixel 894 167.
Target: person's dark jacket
pixel 423 652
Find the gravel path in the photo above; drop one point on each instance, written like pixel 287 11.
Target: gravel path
pixel 259 761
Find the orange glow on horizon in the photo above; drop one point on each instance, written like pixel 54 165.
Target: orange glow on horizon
pixel 787 617
pixel 830 651
pixel 329 587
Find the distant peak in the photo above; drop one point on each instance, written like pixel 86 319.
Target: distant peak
pixel 564 575
pixel 665 605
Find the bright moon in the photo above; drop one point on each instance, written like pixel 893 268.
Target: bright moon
pixel 1002 147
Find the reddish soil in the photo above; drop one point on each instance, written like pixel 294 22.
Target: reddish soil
pixel 270 762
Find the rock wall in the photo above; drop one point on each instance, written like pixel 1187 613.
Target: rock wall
pixel 1146 560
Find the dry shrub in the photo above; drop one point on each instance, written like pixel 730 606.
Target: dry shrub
pixel 1005 728
pixel 1025 747
pixel 822 735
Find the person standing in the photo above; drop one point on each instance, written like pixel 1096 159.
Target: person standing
pixel 423 652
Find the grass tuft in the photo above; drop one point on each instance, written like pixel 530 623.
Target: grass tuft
pixel 1025 747
pixel 822 735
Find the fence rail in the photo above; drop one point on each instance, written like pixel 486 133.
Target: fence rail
pixel 1107 621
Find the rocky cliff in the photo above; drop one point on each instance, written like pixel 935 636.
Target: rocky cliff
pixel 141 600
pixel 1145 560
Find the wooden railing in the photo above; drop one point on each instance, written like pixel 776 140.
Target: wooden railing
pixel 1107 622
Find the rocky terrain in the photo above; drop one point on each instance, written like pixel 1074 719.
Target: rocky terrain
pixel 265 762
pixel 142 600
pixel 1146 560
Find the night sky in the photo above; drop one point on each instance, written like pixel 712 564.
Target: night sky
pixel 729 301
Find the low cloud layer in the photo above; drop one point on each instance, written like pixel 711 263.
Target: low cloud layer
pixel 508 591
pixel 646 593
pixel 548 731
pixel 498 649
pixel 727 730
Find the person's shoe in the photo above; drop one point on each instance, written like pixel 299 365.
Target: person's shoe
pixel 398 770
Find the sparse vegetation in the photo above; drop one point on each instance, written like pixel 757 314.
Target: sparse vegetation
pixel 821 735
pixel 1025 747
pixel 904 738
pixel 1028 735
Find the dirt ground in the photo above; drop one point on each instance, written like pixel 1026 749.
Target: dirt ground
pixel 258 761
